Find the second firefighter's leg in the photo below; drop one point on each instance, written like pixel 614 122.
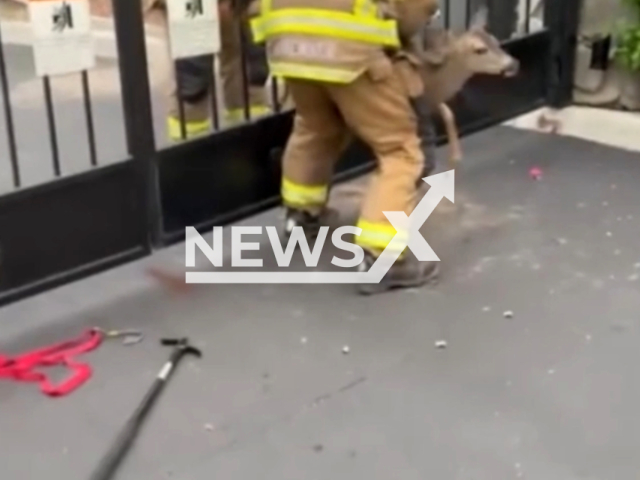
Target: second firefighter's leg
pixel 191 98
pixel 231 71
pixel 314 146
pixel 377 108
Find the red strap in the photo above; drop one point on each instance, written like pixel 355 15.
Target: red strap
pixel 23 368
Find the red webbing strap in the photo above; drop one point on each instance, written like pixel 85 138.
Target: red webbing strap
pixel 23 367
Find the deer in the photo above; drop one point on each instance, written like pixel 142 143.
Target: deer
pixel 446 62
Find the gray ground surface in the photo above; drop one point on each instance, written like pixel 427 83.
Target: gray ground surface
pixel 550 394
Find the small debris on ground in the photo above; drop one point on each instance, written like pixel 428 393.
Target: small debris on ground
pixel 605 204
pixel 441 344
pixel 609 234
pixel 318 448
pixel 173 282
pixel 633 278
pixel 508 314
pixel 588 337
pixel 346 349
pixel 303 340
pixel 613 186
pixel 208 427
pixel 562 241
pixel 547 123
pixel 486 309
pixel 617 252
pixel 535 173
pixel 551 371
pixel 581 205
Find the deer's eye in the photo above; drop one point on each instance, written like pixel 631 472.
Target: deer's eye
pixel 481 50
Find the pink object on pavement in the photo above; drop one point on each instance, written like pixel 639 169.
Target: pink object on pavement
pixel 535 173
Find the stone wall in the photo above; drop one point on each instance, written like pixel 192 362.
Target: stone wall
pixel 612 88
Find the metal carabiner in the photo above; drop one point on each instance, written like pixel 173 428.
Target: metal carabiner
pixel 129 336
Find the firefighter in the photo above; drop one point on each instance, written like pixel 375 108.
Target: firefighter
pixel 193 85
pixel 336 57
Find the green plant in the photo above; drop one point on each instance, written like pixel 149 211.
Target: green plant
pixel 628 47
pixel 633 4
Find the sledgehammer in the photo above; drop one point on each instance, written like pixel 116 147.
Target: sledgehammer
pixel 123 442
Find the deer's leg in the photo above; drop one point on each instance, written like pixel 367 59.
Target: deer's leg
pixel 426 133
pixel 449 120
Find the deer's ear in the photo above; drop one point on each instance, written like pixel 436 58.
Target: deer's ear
pixel 435 46
pixel 480 18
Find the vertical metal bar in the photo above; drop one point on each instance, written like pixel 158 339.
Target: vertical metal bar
pixel 51 120
pixel 275 95
pixel 527 16
pixel 467 13
pixel 245 72
pixel 215 114
pixel 91 136
pixel 447 15
pixel 181 113
pixel 562 18
pixel 8 116
pixel 136 103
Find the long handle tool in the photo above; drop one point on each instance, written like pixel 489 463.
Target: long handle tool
pixel 123 442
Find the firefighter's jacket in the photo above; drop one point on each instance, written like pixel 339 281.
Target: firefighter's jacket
pixel 334 40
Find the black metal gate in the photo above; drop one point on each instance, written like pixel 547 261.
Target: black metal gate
pixel 75 225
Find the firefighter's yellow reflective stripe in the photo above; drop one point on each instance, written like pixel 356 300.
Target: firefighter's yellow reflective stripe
pixel 325 23
pixel 303 195
pixel 192 128
pixel 379 235
pixel 237 114
pixel 363 8
pixel 308 72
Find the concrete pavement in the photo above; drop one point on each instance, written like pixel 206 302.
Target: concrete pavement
pixel 550 393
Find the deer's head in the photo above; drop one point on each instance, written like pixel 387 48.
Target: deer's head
pixel 475 50
pixel 481 52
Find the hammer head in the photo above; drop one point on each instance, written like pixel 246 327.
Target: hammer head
pixel 181 344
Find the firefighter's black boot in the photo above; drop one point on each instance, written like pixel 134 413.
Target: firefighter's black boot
pixel 299 218
pixel 427 135
pixel 404 273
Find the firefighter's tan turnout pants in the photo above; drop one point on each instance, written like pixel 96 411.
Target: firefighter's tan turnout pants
pixel 376 108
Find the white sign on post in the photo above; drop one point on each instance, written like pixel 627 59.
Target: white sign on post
pixel 62 40
pixel 194 28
